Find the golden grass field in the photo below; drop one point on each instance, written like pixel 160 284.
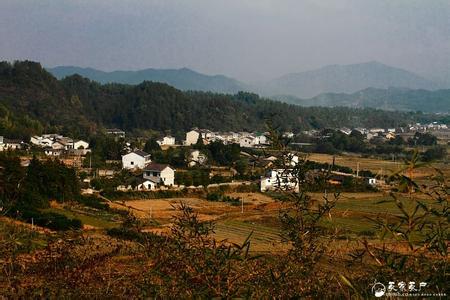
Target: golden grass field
pixel 379 166
pixel 260 216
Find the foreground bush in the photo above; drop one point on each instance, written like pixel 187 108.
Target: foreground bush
pixel 51 220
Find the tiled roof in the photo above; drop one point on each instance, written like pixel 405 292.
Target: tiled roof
pixel 141 153
pixel 156 167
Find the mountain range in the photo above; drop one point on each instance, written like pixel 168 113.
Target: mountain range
pixel 33 101
pixel 345 79
pixel 399 99
pixel 183 79
pixel 329 79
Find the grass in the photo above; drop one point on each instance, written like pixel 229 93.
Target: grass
pixel 25 239
pixel 100 220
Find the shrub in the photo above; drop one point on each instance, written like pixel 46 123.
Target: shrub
pixel 51 220
pixel 94 202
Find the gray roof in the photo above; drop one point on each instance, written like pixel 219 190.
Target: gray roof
pixel 156 167
pixel 141 153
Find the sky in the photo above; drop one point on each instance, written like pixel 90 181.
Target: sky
pixel 251 40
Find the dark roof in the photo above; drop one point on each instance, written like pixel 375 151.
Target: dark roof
pixel 141 153
pixel 114 130
pixel 156 167
pixel 12 141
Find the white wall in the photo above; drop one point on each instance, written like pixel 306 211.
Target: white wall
pixel 191 137
pixel 133 161
pixel 168 176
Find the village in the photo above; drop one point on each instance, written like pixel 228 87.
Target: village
pixel 146 173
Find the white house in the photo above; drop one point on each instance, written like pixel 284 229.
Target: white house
pixel 42 141
pixel 80 144
pixel 7 144
pixel 146 185
pixel 390 135
pixel 135 160
pixel 261 139
pixel 376 130
pixel 191 137
pixel 345 130
pixel 167 140
pixel 247 141
pixel 52 152
pixel 279 179
pixel 196 158
pixel 288 134
pixel 160 174
pixel 371 181
pixel 57 146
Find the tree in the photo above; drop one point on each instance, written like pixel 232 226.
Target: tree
pixel 435 153
pixel 151 146
pixel 422 139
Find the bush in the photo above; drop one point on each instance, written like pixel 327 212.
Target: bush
pixel 219 197
pixel 51 220
pixel 125 234
pixel 134 235
pixel 94 202
pixel 214 196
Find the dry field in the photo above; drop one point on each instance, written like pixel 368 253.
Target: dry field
pixel 260 216
pixel 379 166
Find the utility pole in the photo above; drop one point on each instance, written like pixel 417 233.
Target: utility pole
pixel 357 170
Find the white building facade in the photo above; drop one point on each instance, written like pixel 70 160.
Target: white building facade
pixel 135 160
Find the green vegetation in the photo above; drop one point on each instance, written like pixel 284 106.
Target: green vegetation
pixel 33 101
pixel 220 197
pixel 25 192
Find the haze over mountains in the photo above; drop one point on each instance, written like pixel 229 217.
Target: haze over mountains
pixel 370 84
pixel 345 79
pixel 400 99
pixel 183 79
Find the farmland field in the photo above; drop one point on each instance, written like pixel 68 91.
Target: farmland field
pixel 259 218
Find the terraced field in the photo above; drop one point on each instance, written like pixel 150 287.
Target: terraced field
pixel 262 239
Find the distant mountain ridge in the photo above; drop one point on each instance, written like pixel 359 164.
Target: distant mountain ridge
pixel 345 79
pixel 33 101
pixel 183 79
pixel 400 99
pixel 329 79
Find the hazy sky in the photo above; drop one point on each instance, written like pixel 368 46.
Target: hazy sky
pixel 246 39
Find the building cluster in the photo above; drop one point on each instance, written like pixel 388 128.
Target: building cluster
pixel 9 144
pixel 56 144
pixel 441 131
pixel 151 175
pixel 282 175
pixel 244 139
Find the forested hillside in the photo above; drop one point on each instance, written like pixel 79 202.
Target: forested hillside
pixel 33 101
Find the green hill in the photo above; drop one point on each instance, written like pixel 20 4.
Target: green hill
pixel 33 101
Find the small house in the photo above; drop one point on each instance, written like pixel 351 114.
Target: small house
pixel 137 159
pixel 160 174
pixel 192 137
pixel 166 141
